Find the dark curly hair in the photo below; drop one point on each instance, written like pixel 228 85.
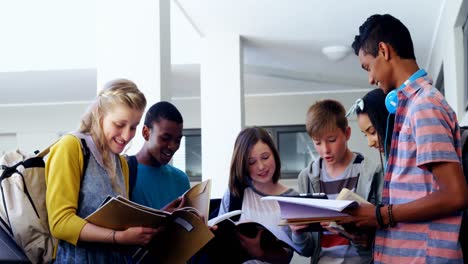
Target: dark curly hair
pixel 162 110
pixel 384 28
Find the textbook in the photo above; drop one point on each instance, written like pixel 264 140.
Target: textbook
pixel 184 232
pixel 223 217
pixel 299 211
pixel 228 246
pixel 198 196
pixel 346 194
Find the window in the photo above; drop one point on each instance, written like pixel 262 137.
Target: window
pixel 193 156
pixel 188 157
pixel 295 148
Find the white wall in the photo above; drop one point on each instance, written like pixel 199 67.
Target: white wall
pixel 271 110
pixel 448 52
pixel 37 126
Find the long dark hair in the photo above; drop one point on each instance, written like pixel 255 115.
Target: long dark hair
pixel 239 177
pixel 374 107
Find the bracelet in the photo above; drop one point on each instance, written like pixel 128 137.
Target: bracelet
pixel 379 218
pixel 113 237
pixel 391 223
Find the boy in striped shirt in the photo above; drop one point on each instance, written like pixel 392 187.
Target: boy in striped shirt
pixel 424 187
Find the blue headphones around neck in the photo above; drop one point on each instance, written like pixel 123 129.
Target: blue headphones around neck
pixel 391 100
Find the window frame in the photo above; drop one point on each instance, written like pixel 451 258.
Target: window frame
pixel 192 132
pixel 274 131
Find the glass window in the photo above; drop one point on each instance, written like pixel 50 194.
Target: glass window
pixel 294 146
pixel 295 149
pixel 188 157
pixel 193 160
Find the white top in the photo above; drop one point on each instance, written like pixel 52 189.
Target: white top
pixel 266 213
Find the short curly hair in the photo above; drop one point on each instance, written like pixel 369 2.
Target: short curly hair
pixel 384 28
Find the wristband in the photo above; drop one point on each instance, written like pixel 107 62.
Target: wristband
pixel 391 223
pixel 378 216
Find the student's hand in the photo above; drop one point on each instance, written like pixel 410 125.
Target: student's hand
pixel 252 245
pixel 363 216
pixel 272 253
pixel 298 228
pixel 326 226
pixel 136 235
pixel 172 206
pixel 214 228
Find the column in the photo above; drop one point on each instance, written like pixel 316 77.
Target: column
pixel 133 42
pixel 222 106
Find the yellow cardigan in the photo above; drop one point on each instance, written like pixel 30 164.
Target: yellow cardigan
pixel 63 171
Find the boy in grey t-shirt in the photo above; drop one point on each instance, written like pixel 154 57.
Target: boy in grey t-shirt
pixel 336 168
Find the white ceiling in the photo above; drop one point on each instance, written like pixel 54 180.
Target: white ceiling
pixel 283 42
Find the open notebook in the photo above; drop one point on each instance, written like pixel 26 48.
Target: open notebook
pixel 296 210
pixel 185 232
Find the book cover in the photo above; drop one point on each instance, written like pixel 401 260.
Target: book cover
pixel 180 239
pixel 198 197
pixel 118 213
pixel 183 234
pixel 228 246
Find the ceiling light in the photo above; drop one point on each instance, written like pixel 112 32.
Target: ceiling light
pixel 336 53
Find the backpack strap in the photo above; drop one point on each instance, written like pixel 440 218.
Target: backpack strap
pixel 86 154
pixel 235 203
pixel 359 159
pixel 133 170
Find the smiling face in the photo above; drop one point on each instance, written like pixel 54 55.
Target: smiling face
pixel 332 145
pixel 163 140
pixel 378 68
pixel 369 131
pixel 261 163
pixel 119 127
